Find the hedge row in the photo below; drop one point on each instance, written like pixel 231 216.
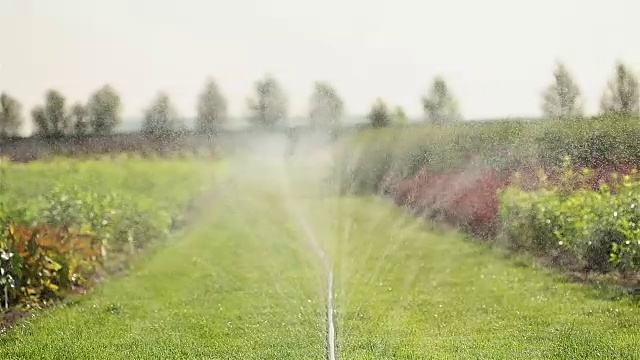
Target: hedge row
pixel 372 155
pixel 576 227
pixel 63 221
pixel 455 173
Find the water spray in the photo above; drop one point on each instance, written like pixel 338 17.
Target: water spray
pixel 331 330
pixel 328 265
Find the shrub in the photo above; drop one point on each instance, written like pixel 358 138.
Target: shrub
pixel 506 145
pixel 40 262
pixel 61 220
pixel 467 199
pixel 584 229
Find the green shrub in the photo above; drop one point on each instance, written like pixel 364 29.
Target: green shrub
pixel 587 229
pixel 499 145
pixel 60 220
pixel 41 262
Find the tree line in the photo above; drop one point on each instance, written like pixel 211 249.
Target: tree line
pixel 560 100
pixel 101 114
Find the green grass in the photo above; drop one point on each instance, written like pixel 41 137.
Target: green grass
pixel 409 293
pixel 245 283
pixel 236 286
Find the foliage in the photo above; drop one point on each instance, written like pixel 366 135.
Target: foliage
pixel 43 261
pixel 455 173
pixel 10 115
pixel 51 119
pixel 104 110
pixel 584 228
pixel 61 221
pixel 40 121
pixel 400 117
pixel 269 108
pixel 379 115
pixel 327 108
pixel 622 96
pixel 161 118
pixel 561 100
pixel 440 106
pixel 79 116
pixel 600 142
pixel 466 199
pixel 212 109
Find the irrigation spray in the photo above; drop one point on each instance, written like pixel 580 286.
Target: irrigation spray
pixel 307 156
pixel 320 163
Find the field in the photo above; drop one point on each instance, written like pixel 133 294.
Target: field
pixel 499 180
pixel 245 277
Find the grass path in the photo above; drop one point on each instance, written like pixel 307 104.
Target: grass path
pixel 239 285
pixel 408 293
pixel 246 283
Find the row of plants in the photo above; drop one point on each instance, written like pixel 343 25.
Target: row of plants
pixel 466 199
pixel 573 224
pixel 34 148
pixel 493 179
pixel 65 222
pixel 369 156
pixel 579 218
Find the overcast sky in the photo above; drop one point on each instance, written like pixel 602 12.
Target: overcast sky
pixel 497 55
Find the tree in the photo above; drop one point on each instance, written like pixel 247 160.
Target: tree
pixel 79 119
pixel 212 109
pixel 161 118
pixel 379 115
pixel 51 119
pixel 561 100
pixel 10 116
pixel 326 106
pixel 400 117
pixel 104 110
pixel 440 107
pixel 270 106
pixel 40 121
pixel 621 96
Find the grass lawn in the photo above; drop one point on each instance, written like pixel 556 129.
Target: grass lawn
pixel 405 292
pixel 238 285
pixel 246 283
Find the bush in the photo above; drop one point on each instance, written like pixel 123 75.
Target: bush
pixel 505 145
pixel 40 262
pixel 583 229
pixel 568 178
pixel 62 220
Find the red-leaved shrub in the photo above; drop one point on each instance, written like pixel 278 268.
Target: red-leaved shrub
pixel 469 198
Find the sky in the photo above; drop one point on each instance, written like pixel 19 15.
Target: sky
pixel 496 55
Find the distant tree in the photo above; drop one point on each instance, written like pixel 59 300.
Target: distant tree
pixel 80 119
pixel 326 106
pixel 51 119
pixel 621 96
pixel 212 109
pixel 561 100
pixel 10 116
pixel 161 118
pixel 400 117
pixel 42 126
pixel 104 110
pixel 379 115
pixel 270 105
pixel 440 106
